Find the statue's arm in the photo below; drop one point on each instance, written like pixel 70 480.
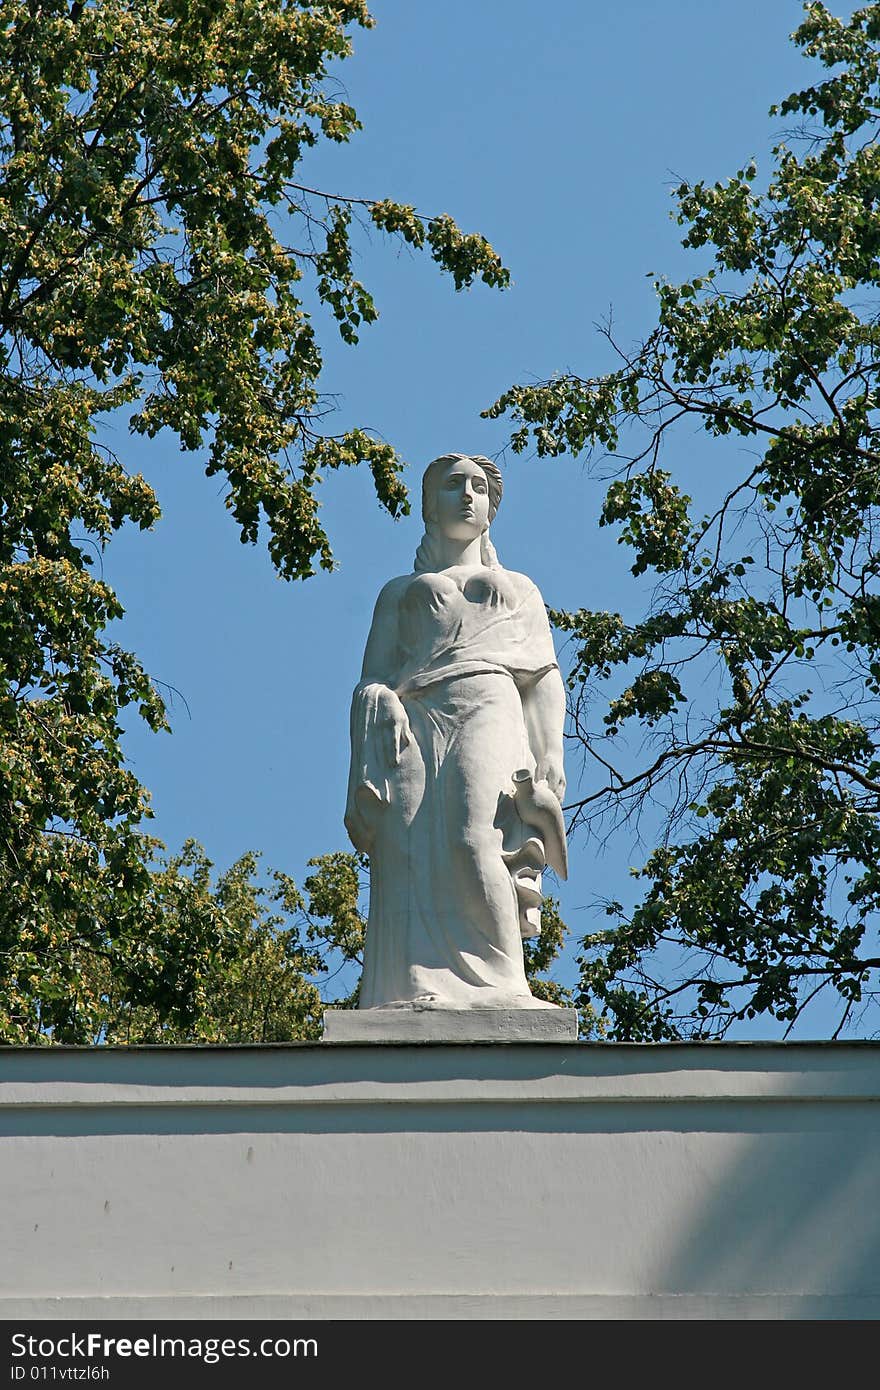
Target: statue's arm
pixel 380 669
pixel 379 726
pixel 381 654
pixel 544 709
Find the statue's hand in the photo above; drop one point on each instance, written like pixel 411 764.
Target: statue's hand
pixel 396 734
pixel 549 770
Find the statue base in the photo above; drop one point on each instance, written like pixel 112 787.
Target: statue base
pixel 421 1023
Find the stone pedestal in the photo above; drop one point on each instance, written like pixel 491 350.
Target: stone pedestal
pixel 423 1024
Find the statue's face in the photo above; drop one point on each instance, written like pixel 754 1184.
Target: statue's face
pixel 461 500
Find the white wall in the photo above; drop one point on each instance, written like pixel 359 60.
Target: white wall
pixel 522 1180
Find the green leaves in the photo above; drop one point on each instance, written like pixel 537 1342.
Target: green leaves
pixel 651 695
pixel 211 961
pixel 655 519
pixel 467 257
pixel 754 892
pixel 568 414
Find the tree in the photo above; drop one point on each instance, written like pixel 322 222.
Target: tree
pixel 271 947
pixel 159 259
pixel 751 685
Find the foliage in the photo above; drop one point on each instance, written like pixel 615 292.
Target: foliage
pixel 540 955
pixel 267 961
pixel 755 674
pixel 158 258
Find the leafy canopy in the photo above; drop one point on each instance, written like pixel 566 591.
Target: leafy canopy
pixel 158 257
pixel 269 956
pixel 750 690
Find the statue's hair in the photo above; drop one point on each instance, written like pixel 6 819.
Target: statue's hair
pixel 427 556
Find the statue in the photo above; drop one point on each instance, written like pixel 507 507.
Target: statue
pixel 456 762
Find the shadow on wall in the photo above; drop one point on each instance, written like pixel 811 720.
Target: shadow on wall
pixel 782 1199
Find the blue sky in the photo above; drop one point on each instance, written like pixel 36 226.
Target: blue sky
pixel 558 131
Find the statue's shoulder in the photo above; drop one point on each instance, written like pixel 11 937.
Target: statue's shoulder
pixel 391 593
pixel 522 584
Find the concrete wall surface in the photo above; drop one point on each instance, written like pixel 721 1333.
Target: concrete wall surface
pixel 441 1181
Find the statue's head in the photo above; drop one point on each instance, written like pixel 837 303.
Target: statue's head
pixel 460 496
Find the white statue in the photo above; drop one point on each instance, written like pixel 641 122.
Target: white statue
pixel 456 766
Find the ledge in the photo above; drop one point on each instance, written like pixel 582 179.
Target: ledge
pixel 459 1307
pixel 322 1074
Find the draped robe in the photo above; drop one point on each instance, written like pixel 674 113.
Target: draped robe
pixel 460 650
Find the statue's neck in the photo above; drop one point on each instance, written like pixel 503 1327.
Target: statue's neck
pixel 451 553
